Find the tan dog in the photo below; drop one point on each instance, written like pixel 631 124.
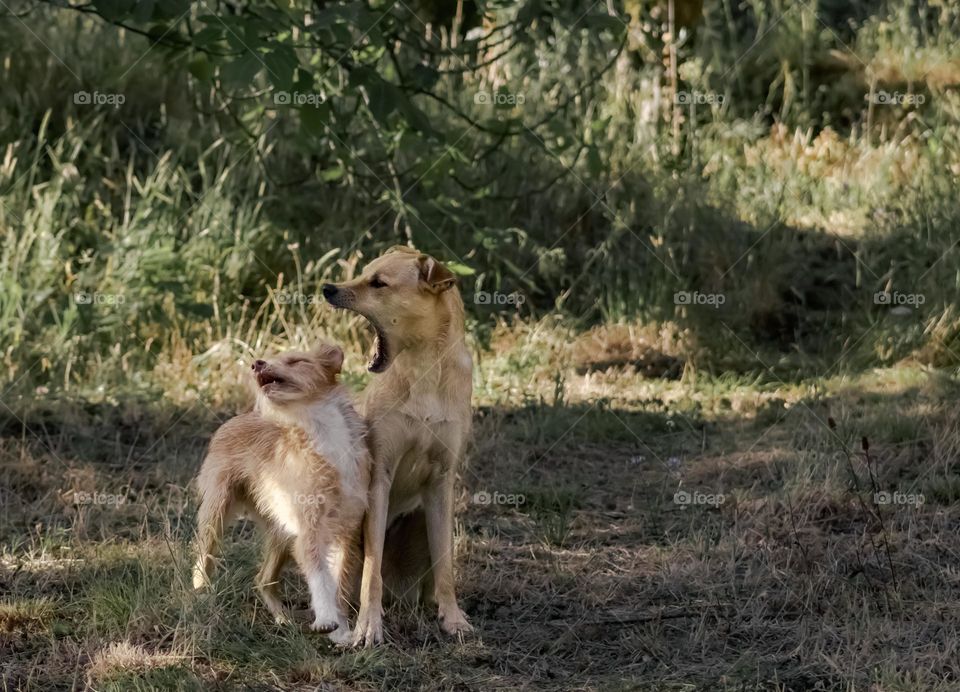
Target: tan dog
pixel 298 464
pixel 418 412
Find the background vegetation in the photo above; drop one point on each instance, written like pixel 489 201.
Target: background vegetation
pixel 689 236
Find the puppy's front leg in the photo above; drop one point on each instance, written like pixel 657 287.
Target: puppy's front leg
pixel 438 502
pixel 369 628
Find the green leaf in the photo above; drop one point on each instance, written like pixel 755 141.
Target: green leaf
pixel 171 9
pixel 594 162
pixel 240 72
pixel 460 269
pixel 313 119
pixel 417 119
pixel 114 10
pixel 201 68
pixel 208 35
pixel 332 174
pixel 281 63
pixel 143 12
pixel 605 21
pixel 424 77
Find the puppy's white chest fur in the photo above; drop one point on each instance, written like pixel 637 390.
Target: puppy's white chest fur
pixel 335 440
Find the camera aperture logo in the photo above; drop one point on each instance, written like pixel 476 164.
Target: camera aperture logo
pixel 685 498
pixel 486 498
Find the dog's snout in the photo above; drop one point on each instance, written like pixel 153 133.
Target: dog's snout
pixel 329 291
pixel 258 365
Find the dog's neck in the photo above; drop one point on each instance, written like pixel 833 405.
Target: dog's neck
pixel 427 376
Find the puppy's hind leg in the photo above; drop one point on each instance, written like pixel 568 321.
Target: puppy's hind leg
pixel 276 553
pixel 212 518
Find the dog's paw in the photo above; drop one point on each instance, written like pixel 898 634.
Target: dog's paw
pixel 369 630
pixel 453 621
pixel 324 626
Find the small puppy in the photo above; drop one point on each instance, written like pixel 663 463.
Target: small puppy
pixel 298 464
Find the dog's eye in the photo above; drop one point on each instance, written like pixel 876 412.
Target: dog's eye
pixel 375 282
pixel 295 361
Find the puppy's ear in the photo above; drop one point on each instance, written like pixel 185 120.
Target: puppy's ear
pixel 330 356
pixel 435 277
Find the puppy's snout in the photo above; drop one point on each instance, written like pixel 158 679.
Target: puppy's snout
pixel 258 365
pixel 330 291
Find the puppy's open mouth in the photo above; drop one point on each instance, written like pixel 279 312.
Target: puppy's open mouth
pixel 265 378
pixel 381 351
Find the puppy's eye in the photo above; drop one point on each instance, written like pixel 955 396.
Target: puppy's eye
pixel 375 282
pixel 295 361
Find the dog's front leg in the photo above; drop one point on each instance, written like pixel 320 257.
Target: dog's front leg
pixel 438 503
pixel 369 628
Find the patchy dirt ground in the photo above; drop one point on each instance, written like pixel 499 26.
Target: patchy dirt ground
pixel 614 532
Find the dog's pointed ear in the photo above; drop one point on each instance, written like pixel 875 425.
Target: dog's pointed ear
pixel 435 277
pixel 330 356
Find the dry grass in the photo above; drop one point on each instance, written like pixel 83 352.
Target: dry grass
pixel 599 579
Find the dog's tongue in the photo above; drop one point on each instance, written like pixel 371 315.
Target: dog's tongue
pixel 381 355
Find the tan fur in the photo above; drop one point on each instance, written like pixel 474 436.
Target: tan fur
pixel 298 464
pixel 419 415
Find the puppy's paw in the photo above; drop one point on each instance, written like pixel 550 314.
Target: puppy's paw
pixel 342 636
pixel 369 630
pixel 453 621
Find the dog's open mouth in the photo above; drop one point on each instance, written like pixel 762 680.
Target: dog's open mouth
pixel 381 351
pixel 264 378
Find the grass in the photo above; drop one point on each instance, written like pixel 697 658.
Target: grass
pixel 659 494
pixel 596 579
